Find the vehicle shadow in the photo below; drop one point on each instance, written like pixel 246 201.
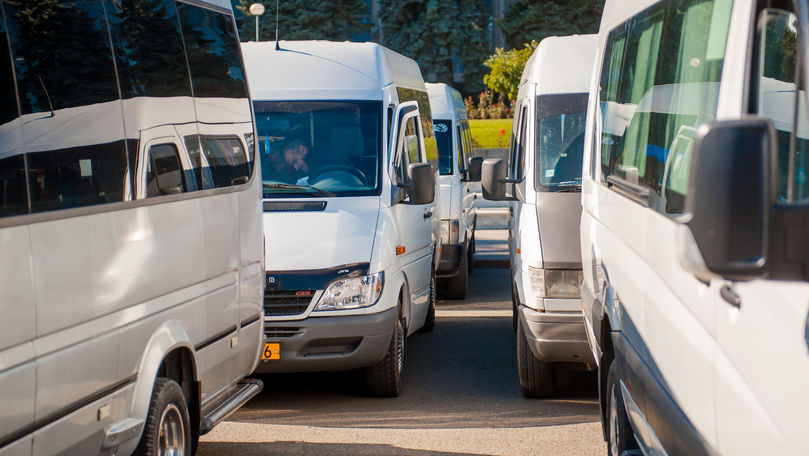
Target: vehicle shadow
pixel 308 448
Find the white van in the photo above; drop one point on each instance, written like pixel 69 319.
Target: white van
pixel 456 204
pixel 130 228
pixel 350 171
pixel 545 161
pixel 694 231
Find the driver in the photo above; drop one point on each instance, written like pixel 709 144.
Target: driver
pixel 291 167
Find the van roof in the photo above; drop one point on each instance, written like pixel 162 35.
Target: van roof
pixel 444 100
pixel 321 70
pixel 562 64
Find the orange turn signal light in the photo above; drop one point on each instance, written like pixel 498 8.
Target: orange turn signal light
pixel 518 251
pixel 400 250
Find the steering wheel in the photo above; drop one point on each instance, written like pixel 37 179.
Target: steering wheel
pixel 344 168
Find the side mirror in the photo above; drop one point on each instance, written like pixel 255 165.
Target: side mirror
pixel 729 199
pixel 475 169
pixel 493 179
pixel 422 183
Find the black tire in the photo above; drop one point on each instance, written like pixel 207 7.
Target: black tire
pixel 514 317
pixel 384 379
pixel 429 322
pixel 470 256
pixel 457 285
pixel 536 377
pixel 620 437
pixel 168 423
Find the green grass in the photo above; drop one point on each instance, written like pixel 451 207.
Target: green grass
pixel 486 132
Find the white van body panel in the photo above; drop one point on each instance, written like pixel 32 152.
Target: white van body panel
pixel 350 230
pixel 736 375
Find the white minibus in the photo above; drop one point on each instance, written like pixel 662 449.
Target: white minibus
pixel 545 210
pixel 693 230
pixel 350 173
pixel 130 227
pixel 456 204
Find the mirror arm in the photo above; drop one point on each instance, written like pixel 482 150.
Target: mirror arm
pixel 510 181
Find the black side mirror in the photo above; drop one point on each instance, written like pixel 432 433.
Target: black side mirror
pixel 493 180
pixel 422 183
pixel 170 183
pixel 475 169
pixel 730 197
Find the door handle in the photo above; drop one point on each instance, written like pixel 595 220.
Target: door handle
pixel 428 214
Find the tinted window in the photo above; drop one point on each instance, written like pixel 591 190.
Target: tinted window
pixel 8 95
pixel 164 174
pixel 658 83
pixel 443 139
pixel 74 177
pixel 517 153
pixel 148 48
pixel 331 146
pixel 61 54
pixel 12 186
pixel 226 159
pixel 560 139
pixel 214 56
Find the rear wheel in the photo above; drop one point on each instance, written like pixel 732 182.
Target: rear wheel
pixel 536 377
pixel 168 426
pixel 470 256
pixel 620 435
pixel 384 379
pixel 456 286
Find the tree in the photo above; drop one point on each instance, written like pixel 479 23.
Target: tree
pixel 506 69
pixel 337 20
pixel 529 20
pixel 436 32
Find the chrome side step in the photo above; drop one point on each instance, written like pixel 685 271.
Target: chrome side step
pixel 237 396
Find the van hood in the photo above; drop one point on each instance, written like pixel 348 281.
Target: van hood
pixel 559 218
pixel 299 235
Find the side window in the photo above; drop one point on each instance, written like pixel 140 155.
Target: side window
pixel 411 150
pixel 13 200
pixel 517 153
pixel 214 57
pixel 164 173
pixel 775 98
pixel 658 83
pixel 218 162
pixel 461 148
pixel 148 49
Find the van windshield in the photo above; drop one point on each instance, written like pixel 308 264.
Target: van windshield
pixel 319 148
pixel 560 141
pixel 443 139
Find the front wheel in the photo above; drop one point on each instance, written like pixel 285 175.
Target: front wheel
pixel 536 377
pixel 620 435
pixel 168 426
pixel 384 379
pixel 429 322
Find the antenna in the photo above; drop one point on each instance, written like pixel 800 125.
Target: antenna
pixel 42 83
pixel 277 47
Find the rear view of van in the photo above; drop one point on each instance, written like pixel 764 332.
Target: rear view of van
pixel 456 203
pixel 544 168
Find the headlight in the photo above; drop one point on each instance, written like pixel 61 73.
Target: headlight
pixel 555 283
pixel 561 283
pixel 352 293
pixel 449 231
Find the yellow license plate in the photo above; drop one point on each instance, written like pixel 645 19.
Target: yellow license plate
pixel 271 351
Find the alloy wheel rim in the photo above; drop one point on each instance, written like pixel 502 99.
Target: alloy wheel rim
pixel 171 433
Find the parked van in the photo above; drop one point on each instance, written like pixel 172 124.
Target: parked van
pixel 545 161
pixel 130 229
pixel 350 171
pixel 456 204
pixel 693 231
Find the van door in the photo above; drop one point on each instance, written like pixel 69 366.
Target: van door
pixel 467 197
pixel 516 167
pixel 761 325
pixel 414 221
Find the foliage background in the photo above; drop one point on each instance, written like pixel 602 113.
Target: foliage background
pixel 529 20
pixel 337 20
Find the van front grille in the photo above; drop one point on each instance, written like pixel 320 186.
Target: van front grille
pixel 286 303
pixel 275 332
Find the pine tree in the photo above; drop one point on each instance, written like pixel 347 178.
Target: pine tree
pixel 529 20
pixel 433 31
pixel 337 20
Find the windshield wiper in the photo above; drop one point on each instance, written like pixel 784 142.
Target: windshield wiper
pixel 298 187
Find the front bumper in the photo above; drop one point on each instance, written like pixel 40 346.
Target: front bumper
pixel 557 337
pixel 451 256
pixel 329 343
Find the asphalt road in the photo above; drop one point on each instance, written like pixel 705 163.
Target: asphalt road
pixel 461 396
